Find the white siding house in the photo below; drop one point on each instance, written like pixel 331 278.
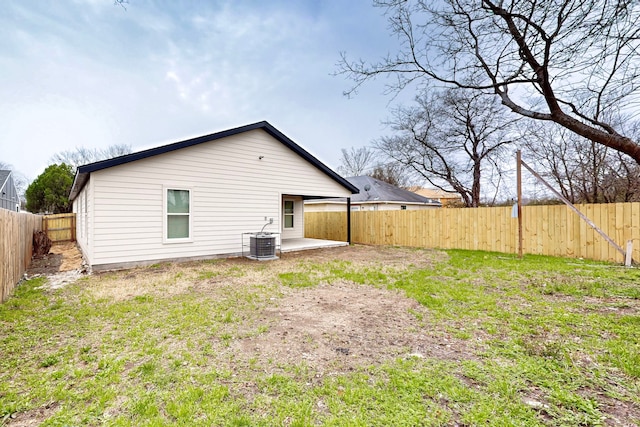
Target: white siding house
pixel 194 199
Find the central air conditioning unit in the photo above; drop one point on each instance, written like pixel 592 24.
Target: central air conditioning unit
pixel 262 246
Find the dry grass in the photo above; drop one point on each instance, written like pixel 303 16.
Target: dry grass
pixel 167 279
pixel 359 335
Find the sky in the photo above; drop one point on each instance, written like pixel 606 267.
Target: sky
pixel 89 73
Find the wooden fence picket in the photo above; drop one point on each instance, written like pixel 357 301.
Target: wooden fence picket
pixel 548 230
pixel 16 247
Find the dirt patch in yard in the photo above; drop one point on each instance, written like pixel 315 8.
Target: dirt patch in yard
pixel 32 418
pixel 336 325
pixel 342 325
pixel 62 257
pixel 62 265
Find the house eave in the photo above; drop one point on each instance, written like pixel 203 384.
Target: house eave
pixel 79 181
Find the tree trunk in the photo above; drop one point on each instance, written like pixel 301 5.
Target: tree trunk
pixel 475 188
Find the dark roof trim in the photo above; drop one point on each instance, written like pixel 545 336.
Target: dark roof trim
pixel 83 172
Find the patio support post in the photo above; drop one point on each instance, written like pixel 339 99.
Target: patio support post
pixel 349 220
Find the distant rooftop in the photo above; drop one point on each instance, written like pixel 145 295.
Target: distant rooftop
pixel 435 193
pixel 373 190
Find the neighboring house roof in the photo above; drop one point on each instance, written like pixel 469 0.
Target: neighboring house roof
pixel 4 177
pixel 83 172
pixel 9 197
pixel 373 190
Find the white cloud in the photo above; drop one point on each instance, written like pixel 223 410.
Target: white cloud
pixel 90 73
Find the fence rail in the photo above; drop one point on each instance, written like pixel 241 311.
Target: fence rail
pixel 547 230
pixel 16 247
pixel 60 227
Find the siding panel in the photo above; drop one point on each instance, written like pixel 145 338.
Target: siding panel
pixel 82 207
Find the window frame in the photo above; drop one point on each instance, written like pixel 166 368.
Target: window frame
pixel 285 214
pixel 166 214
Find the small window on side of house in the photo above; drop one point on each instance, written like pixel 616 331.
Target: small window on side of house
pixel 403 207
pixel 177 215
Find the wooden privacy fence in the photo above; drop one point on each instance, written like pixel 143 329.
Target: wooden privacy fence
pixel 60 227
pixel 547 230
pixel 16 240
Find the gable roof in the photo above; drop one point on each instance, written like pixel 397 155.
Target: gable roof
pixel 5 187
pixel 83 172
pixel 373 190
pixel 4 177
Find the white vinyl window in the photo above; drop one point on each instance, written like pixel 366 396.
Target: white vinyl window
pixel 288 214
pixel 177 215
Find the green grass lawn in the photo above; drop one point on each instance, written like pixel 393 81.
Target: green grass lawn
pixel 480 339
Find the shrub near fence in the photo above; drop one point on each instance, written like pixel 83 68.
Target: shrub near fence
pixel 547 230
pixel 16 240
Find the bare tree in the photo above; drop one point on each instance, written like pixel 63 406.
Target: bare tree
pixel 552 150
pixel 450 139
pixel 82 155
pixel 583 171
pixel 621 182
pixel 356 161
pixel 393 173
pixel 571 62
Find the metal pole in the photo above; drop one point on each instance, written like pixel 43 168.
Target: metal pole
pixel 349 220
